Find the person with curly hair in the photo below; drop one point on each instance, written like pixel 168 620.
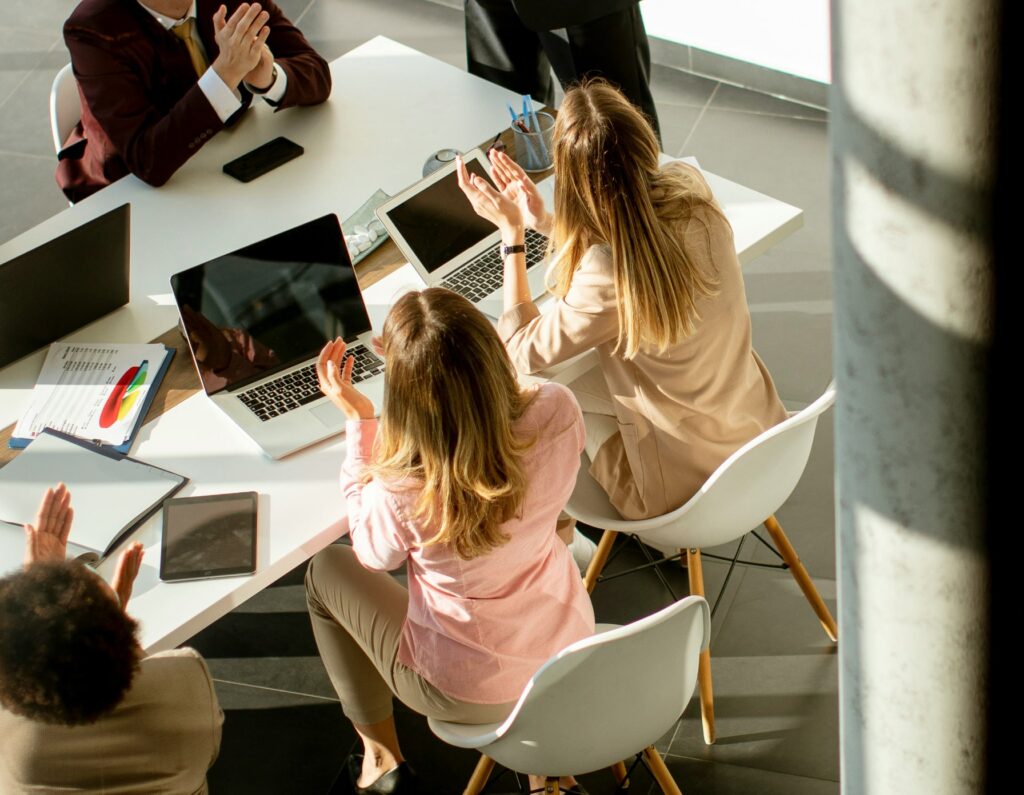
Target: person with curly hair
pixel 82 707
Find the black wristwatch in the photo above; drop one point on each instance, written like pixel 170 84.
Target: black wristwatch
pixel 506 250
pixel 273 71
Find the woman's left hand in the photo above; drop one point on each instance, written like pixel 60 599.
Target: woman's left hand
pixel 488 203
pixel 334 372
pixel 516 184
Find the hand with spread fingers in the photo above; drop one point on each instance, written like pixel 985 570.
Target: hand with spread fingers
pixel 47 539
pixel 128 565
pixel 334 372
pixel 516 184
pixel 488 203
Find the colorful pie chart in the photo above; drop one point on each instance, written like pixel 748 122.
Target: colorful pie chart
pixel 122 399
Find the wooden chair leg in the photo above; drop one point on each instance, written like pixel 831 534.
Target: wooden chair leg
pixel 803 579
pixel 604 549
pixel 661 772
pixel 481 773
pixel 621 775
pixel 707 696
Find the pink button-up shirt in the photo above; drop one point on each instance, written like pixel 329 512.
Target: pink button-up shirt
pixel 479 629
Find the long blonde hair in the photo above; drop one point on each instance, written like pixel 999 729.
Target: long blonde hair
pixel 450 401
pixel 611 190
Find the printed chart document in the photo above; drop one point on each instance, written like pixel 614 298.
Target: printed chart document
pixel 111 493
pixel 95 391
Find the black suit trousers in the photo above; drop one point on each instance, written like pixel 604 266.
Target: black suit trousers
pixel 500 48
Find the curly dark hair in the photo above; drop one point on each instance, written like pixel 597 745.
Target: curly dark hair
pixel 68 653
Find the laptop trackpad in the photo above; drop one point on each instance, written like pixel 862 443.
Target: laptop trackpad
pixel 329 414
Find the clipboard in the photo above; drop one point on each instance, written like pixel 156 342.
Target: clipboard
pixel 21 442
pixel 112 493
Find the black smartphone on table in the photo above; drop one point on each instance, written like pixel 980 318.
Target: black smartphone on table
pixel 263 159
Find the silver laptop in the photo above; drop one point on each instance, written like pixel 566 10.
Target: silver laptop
pixel 256 320
pixel 449 245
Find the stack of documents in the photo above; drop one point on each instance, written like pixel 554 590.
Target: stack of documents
pixel 95 391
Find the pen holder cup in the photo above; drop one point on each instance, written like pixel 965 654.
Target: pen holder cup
pixel 534 149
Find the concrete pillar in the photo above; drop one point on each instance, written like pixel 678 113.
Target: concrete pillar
pixel 914 150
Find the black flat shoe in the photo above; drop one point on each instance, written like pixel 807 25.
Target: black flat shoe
pixel 401 780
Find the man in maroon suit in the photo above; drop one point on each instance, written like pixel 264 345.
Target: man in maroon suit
pixel 158 78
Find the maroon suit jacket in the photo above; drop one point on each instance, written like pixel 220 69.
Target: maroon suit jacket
pixel 142 110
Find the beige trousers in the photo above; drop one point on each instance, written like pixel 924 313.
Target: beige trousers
pixel 357 617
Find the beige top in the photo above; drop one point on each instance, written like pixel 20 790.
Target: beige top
pixel 681 412
pixel 161 739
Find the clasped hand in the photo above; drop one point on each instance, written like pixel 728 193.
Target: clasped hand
pixel 47 540
pixel 244 54
pixel 515 202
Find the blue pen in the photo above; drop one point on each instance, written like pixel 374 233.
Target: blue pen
pixel 529 111
pixel 526 109
pixel 521 125
pixel 533 117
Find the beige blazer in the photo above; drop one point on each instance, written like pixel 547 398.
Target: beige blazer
pixel 161 739
pixel 681 412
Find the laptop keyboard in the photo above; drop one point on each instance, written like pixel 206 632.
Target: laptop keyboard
pixel 299 387
pixel 483 274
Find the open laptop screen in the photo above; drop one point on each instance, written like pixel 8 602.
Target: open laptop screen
pixel 270 305
pixel 438 223
pixel 63 284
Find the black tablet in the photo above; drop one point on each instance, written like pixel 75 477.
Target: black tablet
pixel 213 536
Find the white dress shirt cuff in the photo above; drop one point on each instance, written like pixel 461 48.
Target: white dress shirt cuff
pixel 224 101
pixel 275 93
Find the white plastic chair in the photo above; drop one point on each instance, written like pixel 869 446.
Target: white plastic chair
pixel 65 107
pixel 575 715
pixel 742 493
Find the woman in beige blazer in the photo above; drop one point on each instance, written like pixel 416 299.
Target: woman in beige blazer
pixel 645 271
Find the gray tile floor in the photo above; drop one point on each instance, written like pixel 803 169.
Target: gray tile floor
pixel 775 671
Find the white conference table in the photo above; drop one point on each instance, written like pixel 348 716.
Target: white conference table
pixel 391 107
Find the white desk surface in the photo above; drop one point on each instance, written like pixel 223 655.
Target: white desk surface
pixel 390 107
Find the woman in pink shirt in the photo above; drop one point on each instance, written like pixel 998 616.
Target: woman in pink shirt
pixel 462 479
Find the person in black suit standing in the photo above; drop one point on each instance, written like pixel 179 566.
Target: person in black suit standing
pixel 515 43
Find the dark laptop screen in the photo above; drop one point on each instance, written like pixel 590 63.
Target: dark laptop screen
pixel 438 223
pixel 270 305
pixel 63 284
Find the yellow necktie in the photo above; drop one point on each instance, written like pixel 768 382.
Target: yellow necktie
pixel 184 32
